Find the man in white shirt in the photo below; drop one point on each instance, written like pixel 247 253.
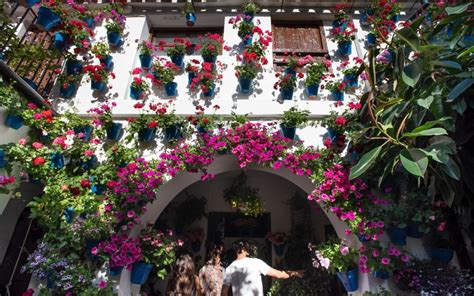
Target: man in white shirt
pixel 244 274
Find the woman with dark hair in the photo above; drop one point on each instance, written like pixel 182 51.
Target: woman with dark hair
pixel 184 281
pixel 211 274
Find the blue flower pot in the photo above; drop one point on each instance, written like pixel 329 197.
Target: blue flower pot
pixel 171 89
pixel 30 83
pixel 135 93
pixel 201 130
pixel 69 215
pixel 337 95
pixel 57 161
pixel 395 18
pixel 68 91
pixel 98 189
pixel 47 19
pixel 247 41
pixel 14 121
pixel 290 71
pixel 73 67
pixel 279 249
pixel 468 40
pixel 441 255
pixel 398 235
pixel 106 62
pixel 172 132
pixel 98 85
pixel 364 18
pixel 245 84
pixel 312 90
pixel 351 80
pixel 190 19
pixel 209 93
pixel 208 59
pixel 114 132
pixel 115 271
pixel 332 134
pixel 31 3
pixel 191 76
pixel 344 48
pixel 140 273
pixel 362 238
pixel 286 94
pixel 86 130
pixel 3 162
pixel 114 39
pixel 349 279
pixel 91 163
pixel 178 60
pixel 89 21
pixel 413 230
pixel 60 41
pixel 196 246
pixel 288 132
pixel 381 274
pixel 146 134
pixel 371 39
pixel 339 23
pixel 145 61
pixel 248 17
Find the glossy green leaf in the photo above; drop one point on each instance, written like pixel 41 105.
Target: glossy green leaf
pixel 414 161
pixel 365 162
pixel 466 52
pixel 457 9
pixel 459 89
pixel 411 74
pixel 425 102
pixel 451 169
pixel 408 35
pixel 437 131
pixel 448 64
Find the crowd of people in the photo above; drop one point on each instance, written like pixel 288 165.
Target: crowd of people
pixel 242 276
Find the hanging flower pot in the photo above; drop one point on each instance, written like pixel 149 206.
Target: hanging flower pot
pixel 245 84
pixel 191 76
pixel 69 214
pixel 286 94
pixel 414 231
pixel 279 249
pixel 337 95
pixel 441 254
pixel 196 246
pixel 209 59
pixel 86 130
pixel 171 89
pixel 106 62
pixel 115 271
pixel 288 132
pixel 3 162
pixel 290 71
pixel 145 61
pixel 61 41
pixel 140 273
pixel 114 38
pixel 29 3
pixel 371 39
pixel 98 189
pixel 73 67
pixel 342 23
pixel 173 132
pixel 332 134
pixel 344 48
pixel 398 235
pixel 89 21
pixel 349 279
pixel 362 238
pixel 114 132
pixel 247 40
pixel 312 90
pixel 381 274
pixel 178 60
pixel 190 19
pixel 47 19
pixel 98 85
pixel 14 121
pixel 351 80
pixel 201 129
pixel 248 16
pixel 364 17
pixel 209 93
pixel 146 134
pixel 395 18
pixel 67 92
pixel 135 92
pixel 89 164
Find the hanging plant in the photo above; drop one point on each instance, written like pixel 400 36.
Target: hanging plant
pixel 243 198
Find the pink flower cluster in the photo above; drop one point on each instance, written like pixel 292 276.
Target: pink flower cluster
pixel 376 258
pixel 121 250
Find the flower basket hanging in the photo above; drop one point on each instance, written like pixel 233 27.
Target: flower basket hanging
pixel 244 198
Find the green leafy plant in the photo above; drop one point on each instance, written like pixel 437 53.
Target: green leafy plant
pixel 188 7
pixel 248 71
pixel 245 29
pixel 244 198
pixel 101 50
pixel 158 249
pixel 146 48
pixel 114 27
pixel 285 82
pixel 177 48
pixel 334 256
pixel 314 73
pixel 251 7
pixel 294 117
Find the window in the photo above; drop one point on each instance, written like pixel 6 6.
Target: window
pixel 301 39
pixel 168 35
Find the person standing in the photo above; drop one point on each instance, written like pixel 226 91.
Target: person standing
pixel 244 274
pixel 184 282
pixel 211 275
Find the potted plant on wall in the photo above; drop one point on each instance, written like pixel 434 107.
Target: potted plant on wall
pixel 251 8
pixel 101 51
pixel 171 125
pixel 67 84
pixel 50 14
pixel 146 49
pixel 245 73
pixel 397 215
pixel 293 118
pixel 189 13
pixel 245 32
pixel 176 51
pixel 192 69
pixel 337 257
pixel 278 240
pixel 286 84
pixel 14 105
pixel 205 80
pixel 337 90
pixel 314 74
pixel 98 76
pixel 121 252
pixel 166 75
pixel 144 126
pixel 210 48
pixel 343 36
pixel 244 198
pixel 340 15
pixel 381 261
pixel 114 32
pixel 351 76
pixel 139 85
